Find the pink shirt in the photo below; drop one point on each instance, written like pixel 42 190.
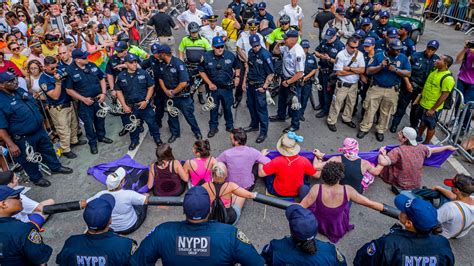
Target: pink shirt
pixel 466 73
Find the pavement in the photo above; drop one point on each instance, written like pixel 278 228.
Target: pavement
pixel 259 222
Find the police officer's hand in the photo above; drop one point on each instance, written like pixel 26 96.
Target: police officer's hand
pixel 169 94
pixel 120 66
pixel 212 87
pixel 127 109
pixel 88 101
pixel 14 150
pixel 57 77
pixel 244 86
pixel 392 68
pixel 285 84
pixel 409 87
pixel 261 89
pixel 384 63
pixel 101 97
pixel 142 105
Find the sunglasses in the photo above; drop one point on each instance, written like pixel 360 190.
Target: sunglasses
pixel 284 23
pixel 15 48
pixel 352 47
pixel 21 16
pixel 219 47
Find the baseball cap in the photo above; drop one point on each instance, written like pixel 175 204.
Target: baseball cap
pixel 303 224
pixel 462 182
pixel 369 41
pixel 406 26
pixel 121 46
pixel 396 45
pixel 290 34
pixel 365 21
pixel 330 32
pixel 433 44
pixel 421 213
pixel 6 191
pixel 155 48
pixel 68 41
pixel 254 40
pixel 6 76
pixel 78 53
pixel 262 5
pixel 114 179
pixel 164 49
pixel 340 10
pixel 305 44
pixel 98 212
pixel 392 32
pixel 384 13
pixel 196 203
pixel 410 134
pixel 360 34
pixel 218 41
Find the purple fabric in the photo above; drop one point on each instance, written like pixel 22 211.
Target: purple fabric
pixel 137 174
pixel 435 160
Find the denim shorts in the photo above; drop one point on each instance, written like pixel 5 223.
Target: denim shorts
pixel 429 121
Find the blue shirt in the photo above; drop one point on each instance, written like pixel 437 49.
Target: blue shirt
pixel 380 29
pixel 114 61
pixel 219 69
pixel 260 65
pixel 408 47
pixel 310 64
pixel 48 83
pixel 207 9
pixel 84 81
pixel 173 73
pixel 134 86
pixel 385 77
pixel 421 67
pixel 21 243
pixel 381 46
pixel 152 66
pixel 330 49
pixel 101 249
pixel 19 113
pixel 207 243
pixel 267 16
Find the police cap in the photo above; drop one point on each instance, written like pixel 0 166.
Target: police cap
pixel 406 26
pixel 360 34
pixel 395 44
pixel 6 76
pixel 384 14
pixel 305 43
pixel 420 212
pixel 218 41
pixel 330 33
pixel 98 212
pixel 290 34
pixel 262 5
pixel 212 18
pixel 303 224
pixel 121 46
pixel 365 21
pixel 78 53
pixel 392 33
pixel 164 49
pixel 369 41
pixel 340 11
pixel 433 44
pixel 253 23
pixel 254 40
pixel 155 48
pixel 6 191
pixel 196 203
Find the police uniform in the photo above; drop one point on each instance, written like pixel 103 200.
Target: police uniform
pixel 152 65
pixel 209 33
pixel 272 39
pixel 379 28
pixel 366 10
pixel 267 16
pixel 408 46
pixel 310 64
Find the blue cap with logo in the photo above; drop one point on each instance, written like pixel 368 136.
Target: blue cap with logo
pixel 365 21
pixel 433 44
pixel 196 203
pixel 262 5
pixel 218 41
pixel 330 32
pixel 384 13
pixel 164 48
pixel 78 53
pixel 121 46
pixel 395 44
pixel 254 40
pixel 406 26
pixel 392 32
pixel 6 76
pixel 7 192
pixel 155 48
pixel 291 34
pixel 420 212
pixel 98 212
pixel 303 224
pixel 369 41
pixel 305 43
pixel 360 34
pixel 131 58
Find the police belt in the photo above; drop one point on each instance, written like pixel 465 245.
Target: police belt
pixel 385 87
pixel 20 137
pixel 134 102
pixel 256 83
pixel 325 70
pixel 226 87
pixel 59 107
pixel 341 83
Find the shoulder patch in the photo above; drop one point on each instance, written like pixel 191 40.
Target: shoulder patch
pixel 181 67
pixel 134 247
pixel 371 60
pixel 242 237
pixel 35 237
pixel 44 87
pixel 371 249
pixel 298 59
pixel 339 256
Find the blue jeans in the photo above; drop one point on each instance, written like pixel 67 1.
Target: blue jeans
pixel 305 93
pixel 148 116
pixel 284 101
pixel 257 104
pixel 225 97
pixel 186 106
pixel 468 93
pixel 93 125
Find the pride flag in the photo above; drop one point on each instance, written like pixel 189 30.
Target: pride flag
pixel 99 58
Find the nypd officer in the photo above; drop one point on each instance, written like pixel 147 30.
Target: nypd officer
pixel 21 242
pixel 86 84
pixel 174 83
pixel 196 241
pixel 418 243
pixel 302 247
pixel 408 43
pixel 99 245
pixel 381 25
pixel 135 89
pixel 310 69
pixel 217 69
pixel 21 125
pixel 366 26
pixel 256 81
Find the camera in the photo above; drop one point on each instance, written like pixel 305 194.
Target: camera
pixel 470 44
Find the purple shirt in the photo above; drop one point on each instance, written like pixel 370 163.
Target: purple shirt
pixel 239 161
pixel 466 73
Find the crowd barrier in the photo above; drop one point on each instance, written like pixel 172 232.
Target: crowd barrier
pixel 455 11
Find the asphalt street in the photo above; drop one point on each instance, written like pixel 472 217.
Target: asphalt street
pixel 261 224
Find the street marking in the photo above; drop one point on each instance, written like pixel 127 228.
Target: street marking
pixel 142 137
pixel 453 161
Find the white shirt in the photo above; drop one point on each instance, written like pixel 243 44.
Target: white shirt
pixel 345 26
pixel 244 43
pixel 343 58
pixel 209 33
pixel 295 13
pixel 187 17
pixel 22 27
pixel 29 206
pixel 123 214
pixel 293 60
pixel 451 219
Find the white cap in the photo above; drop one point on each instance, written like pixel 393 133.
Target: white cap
pixel 410 134
pixel 115 178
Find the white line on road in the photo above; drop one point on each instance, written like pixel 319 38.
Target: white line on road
pixel 453 161
pixel 142 137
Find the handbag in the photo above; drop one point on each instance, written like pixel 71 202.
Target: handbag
pixel 134 34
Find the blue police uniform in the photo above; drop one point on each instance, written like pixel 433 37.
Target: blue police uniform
pixel 373 34
pixel 152 65
pixel 49 84
pixel 208 243
pixel 134 87
pixel 220 70
pixel 310 64
pixel 380 29
pixel 110 69
pixel 62 66
pixel 402 247
pixel 366 10
pixel 21 117
pixel 267 16
pixel 21 244
pixel 259 67
pixel 381 46
pixel 86 83
pixel 408 47
pixel 97 249
pixel 285 252
pixel 172 74
pixel 386 78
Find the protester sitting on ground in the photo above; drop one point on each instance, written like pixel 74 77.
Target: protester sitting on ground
pixel 289 168
pixel 167 176
pixel 403 166
pixel 240 160
pixel 199 169
pixel 32 210
pixel 232 195
pixel 130 207
pixel 354 166
pixel 457 217
pixel 302 247
pixel 330 202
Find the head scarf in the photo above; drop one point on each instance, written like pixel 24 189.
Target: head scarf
pixel 350 148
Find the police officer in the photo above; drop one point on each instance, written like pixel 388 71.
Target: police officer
pixel 21 126
pixel 196 241
pixel 264 14
pixel 408 43
pixel 365 80
pixel 133 49
pixel 417 243
pixel 376 8
pixel 135 88
pixel 302 247
pixel 382 44
pixel 174 83
pixel 86 84
pixel 326 52
pixel 98 246
pixel 212 30
pixel 289 93
pixel 366 25
pixel 381 26
pixel 21 242
pixel 60 106
pixel 310 69
pixel 387 70
pixel 256 81
pixel 217 70
pixel 366 9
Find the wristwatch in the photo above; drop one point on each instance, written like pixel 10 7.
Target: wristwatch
pixel 147 101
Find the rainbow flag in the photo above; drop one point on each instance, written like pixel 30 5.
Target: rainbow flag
pixel 99 58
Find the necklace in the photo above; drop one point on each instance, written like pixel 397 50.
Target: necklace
pixel 291 161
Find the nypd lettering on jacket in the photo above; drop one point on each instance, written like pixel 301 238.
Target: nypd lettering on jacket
pixel 193 246
pixel 91 260
pixel 420 260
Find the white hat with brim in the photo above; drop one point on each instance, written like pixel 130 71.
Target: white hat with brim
pixel 287 147
pixel 410 134
pixel 115 178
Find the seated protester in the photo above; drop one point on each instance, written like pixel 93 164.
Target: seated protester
pixel 302 247
pixel 418 243
pixel 330 202
pixel 130 206
pixel 403 166
pixel 457 217
pixel 289 168
pixel 240 160
pixel 199 168
pixel 232 195
pixel 32 210
pixel 167 176
pixel 354 166
pixel 98 244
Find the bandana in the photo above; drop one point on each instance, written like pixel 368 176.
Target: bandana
pixel 350 148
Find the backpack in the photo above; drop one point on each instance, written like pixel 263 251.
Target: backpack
pixel 218 210
pixel 448 103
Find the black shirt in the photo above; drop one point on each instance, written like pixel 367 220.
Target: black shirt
pixel 322 18
pixel 162 23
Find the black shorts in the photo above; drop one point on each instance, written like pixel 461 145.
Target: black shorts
pixel 429 121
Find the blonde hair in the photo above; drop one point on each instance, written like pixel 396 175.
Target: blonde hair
pixel 219 172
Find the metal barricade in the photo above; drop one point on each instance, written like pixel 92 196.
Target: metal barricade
pixel 448 119
pixel 463 138
pixel 457 11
